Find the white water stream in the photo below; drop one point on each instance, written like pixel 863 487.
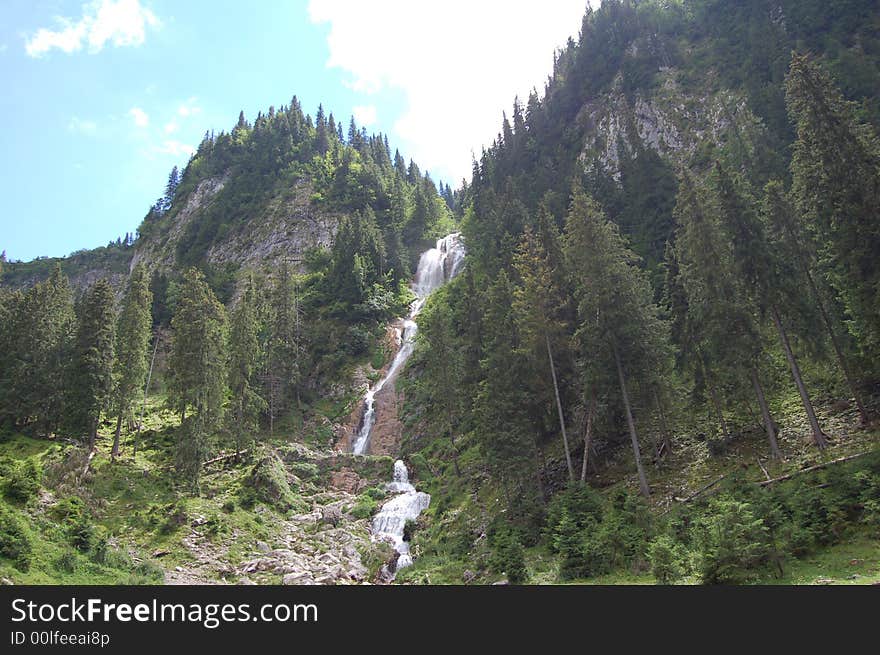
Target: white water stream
pixel 436 267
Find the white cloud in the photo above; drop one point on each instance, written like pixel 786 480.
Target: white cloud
pixel 139 116
pixel 84 127
pixel 171 127
pixel 189 108
pixel 364 115
pixel 460 64
pixel 119 22
pixel 176 148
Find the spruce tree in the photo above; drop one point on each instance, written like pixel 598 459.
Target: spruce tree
pixel 786 235
pixel 132 347
pixel 46 327
pixel 198 373
pixel 500 416
pixel 244 352
pixel 835 171
pixel 286 346
pixel 91 372
pixel 620 329
pixel 765 278
pixel 720 319
pixel 538 307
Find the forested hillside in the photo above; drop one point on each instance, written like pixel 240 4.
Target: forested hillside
pixel 260 286
pixel 660 362
pixel 672 280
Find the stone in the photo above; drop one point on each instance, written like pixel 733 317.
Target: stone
pixel 296 578
pixel 348 481
pixel 263 547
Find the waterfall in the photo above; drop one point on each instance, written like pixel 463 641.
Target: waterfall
pixel 436 266
pixel 389 523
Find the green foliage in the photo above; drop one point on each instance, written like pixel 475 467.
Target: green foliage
pixel 198 371
pixel 15 540
pixel 668 560
pixel 364 507
pixel 91 373
pixel 22 479
pixel 594 535
pixel 267 483
pixel 731 542
pixel 507 556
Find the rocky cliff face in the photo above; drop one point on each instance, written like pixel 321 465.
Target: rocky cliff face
pixel 668 120
pixel 288 227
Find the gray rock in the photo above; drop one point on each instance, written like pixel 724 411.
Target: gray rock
pixel 263 547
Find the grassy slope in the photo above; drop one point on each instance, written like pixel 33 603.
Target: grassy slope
pixel 459 501
pixel 151 520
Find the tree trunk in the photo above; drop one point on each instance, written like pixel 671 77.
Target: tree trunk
pixel 835 342
pixel 454 449
pixel 93 434
pixel 588 435
pixel 664 428
pixel 115 452
pixel 765 414
pixel 643 481
pixel 146 391
pixel 539 466
pixel 818 436
pixel 713 394
pixel 559 409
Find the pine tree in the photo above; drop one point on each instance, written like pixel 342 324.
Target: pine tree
pixel 244 351
pixel 619 328
pixel 538 306
pixel 37 341
pixel 500 417
pixel 764 277
pixel 835 171
pixel 91 373
pixel 197 368
pixel 286 346
pixel 132 347
pixel 786 236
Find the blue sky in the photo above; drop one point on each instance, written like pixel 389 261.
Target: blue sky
pixel 102 98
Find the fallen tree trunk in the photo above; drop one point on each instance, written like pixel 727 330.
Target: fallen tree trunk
pixel 701 490
pixel 226 456
pixel 789 476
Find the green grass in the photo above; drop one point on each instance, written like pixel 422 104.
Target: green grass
pixel 130 501
pixel 855 562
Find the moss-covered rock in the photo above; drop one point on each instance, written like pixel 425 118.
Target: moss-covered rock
pixel 267 482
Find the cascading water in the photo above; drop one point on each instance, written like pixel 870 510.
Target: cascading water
pixel 436 267
pixel 390 522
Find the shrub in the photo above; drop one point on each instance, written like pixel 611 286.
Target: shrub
pixel 305 470
pixel 23 481
pixel 731 542
pixel 667 560
pixel 82 534
pixel 507 555
pixel 581 505
pixel 67 562
pixel 15 541
pixel 364 507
